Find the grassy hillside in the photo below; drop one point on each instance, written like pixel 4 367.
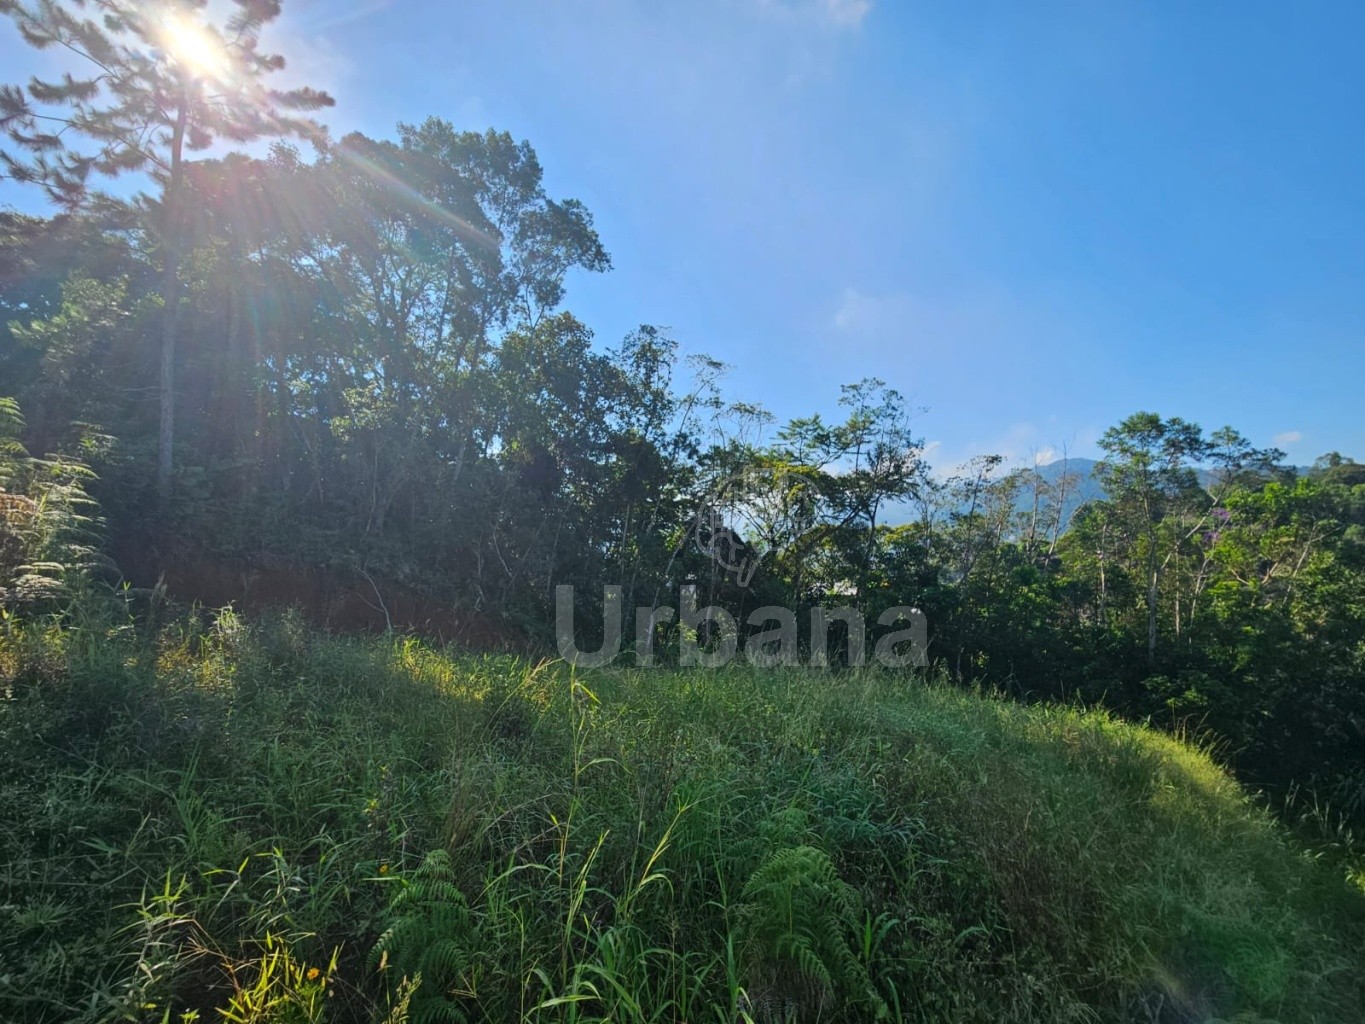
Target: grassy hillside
pixel 266 824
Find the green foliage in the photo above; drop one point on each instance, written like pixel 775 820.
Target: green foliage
pixel 49 526
pixel 429 940
pixel 11 449
pixel 363 361
pixel 799 920
pixel 364 365
pixel 199 816
pixel 277 989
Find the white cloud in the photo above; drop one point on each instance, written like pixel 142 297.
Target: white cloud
pixel 313 57
pixel 881 322
pixel 846 13
pixel 1287 438
pixel 981 354
pixel 861 313
pixel 318 16
pixel 839 14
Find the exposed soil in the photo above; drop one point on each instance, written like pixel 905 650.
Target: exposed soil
pixel 335 599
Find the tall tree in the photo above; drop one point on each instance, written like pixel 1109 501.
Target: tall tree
pixel 158 80
pixel 1149 474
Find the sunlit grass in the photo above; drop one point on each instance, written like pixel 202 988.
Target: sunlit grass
pixel 200 818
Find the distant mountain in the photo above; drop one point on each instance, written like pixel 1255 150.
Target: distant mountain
pixel 1052 471
pixel 1088 488
pixel 1082 487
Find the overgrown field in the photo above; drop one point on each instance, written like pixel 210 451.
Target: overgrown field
pixel 218 821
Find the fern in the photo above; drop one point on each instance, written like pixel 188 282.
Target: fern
pixel 799 920
pixel 12 453
pixel 49 526
pixel 430 935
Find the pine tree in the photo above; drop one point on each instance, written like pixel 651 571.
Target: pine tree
pixel 162 81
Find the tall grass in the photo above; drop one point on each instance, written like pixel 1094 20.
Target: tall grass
pixel 219 821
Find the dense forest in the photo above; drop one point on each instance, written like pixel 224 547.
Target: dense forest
pixel 350 367
pixel 375 375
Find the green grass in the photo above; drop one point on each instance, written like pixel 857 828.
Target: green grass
pixel 241 823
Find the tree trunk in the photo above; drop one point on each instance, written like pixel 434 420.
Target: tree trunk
pixel 170 296
pixel 1104 587
pixel 165 451
pixel 1151 618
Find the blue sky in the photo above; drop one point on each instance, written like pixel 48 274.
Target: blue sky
pixel 1031 219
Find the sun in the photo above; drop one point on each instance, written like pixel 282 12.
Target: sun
pixel 195 48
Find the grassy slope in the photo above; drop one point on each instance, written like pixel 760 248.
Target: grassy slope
pixel 221 816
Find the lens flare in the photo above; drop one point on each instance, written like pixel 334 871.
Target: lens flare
pixel 195 48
